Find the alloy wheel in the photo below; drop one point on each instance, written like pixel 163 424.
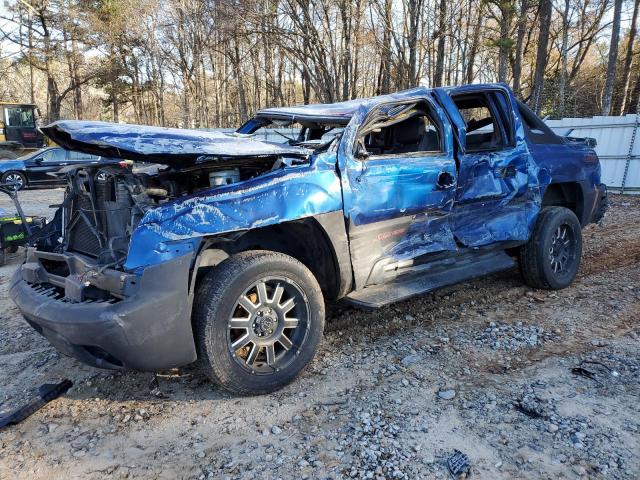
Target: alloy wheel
pixel 268 325
pixel 562 252
pixel 15 180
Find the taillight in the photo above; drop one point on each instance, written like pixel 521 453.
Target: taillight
pixel 590 158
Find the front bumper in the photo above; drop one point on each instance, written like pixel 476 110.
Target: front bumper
pixel 150 330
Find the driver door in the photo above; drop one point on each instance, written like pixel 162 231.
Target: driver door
pixel 399 178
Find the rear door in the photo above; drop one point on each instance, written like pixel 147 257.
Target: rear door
pixel 399 177
pixel 497 196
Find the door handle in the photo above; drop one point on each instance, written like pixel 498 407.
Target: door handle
pixel 445 180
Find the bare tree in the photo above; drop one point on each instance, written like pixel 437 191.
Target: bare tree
pixel 607 94
pixel 541 54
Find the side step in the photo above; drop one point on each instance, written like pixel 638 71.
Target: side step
pixel 426 280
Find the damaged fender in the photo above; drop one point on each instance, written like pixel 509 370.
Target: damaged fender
pixel 279 196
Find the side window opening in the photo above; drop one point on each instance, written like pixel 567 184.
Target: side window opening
pixel 54 155
pixel 400 130
pixel 487 128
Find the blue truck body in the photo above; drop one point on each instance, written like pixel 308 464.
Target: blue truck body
pixel 373 216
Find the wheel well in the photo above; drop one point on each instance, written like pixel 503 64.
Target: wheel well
pixel 568 195
pixel 305 240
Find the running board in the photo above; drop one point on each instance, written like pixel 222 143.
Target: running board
pixel 429 279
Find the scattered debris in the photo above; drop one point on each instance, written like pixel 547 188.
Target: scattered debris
pixel 583 372
pixel 46 392
pixel 458 464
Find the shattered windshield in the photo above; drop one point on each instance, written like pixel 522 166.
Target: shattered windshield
pixel 279 132
pixel 290 132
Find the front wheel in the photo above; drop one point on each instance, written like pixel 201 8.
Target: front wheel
pixel 551 257
pixel 17 180
pixel 258 321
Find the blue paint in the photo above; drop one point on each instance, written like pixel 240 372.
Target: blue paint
pixel 288 194
pixel 393 208
pixel 158 144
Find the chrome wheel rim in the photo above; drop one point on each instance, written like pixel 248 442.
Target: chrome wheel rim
pixel 562 251
pixel 268 325
pixel 14 180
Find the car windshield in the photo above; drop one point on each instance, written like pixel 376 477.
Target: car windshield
pixel 292 132
pixel 282 132
pixel 20 117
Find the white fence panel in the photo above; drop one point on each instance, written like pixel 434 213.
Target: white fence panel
pixel 618 147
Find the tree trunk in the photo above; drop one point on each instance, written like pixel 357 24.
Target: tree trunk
pixel 522 31
pixel 415 6
pixel 442 17
pixel 613 58
pixel 384 78
pixel 628 58
pixel 541 55
pixel 564 53
pixel 475 43
pixel 504 45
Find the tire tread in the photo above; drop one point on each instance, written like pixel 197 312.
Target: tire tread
pixel 532 254
pixel 210 292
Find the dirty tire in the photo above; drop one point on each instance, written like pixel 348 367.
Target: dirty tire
pixel 17 178
pixel 556 226
pixel 7 154
pixel 217 301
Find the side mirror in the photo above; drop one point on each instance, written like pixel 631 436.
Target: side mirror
pixel 38 160
pixel 360 151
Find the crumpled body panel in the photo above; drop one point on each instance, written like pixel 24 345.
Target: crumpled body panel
pixel 279 196
pixel 158 144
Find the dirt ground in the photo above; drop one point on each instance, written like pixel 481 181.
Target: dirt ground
pixel 484 367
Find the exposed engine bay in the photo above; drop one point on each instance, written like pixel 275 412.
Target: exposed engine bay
pixel 103 206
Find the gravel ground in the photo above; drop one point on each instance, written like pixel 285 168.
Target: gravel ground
pixel 484 367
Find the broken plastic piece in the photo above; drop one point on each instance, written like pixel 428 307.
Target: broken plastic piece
pixel 46 392
pixel 458 463
pixel 583 372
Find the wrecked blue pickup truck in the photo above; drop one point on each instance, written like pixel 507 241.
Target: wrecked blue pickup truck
pixel 226 252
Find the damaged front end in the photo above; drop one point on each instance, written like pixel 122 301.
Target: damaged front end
pixel 74 289
pixel 110 280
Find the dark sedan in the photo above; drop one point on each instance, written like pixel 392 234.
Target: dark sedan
pixel 38 169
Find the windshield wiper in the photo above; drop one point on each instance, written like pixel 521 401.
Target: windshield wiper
pixel 291 140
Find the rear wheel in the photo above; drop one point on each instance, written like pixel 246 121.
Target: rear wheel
pixel 258 321
pixel 16 179
pixel 551 257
